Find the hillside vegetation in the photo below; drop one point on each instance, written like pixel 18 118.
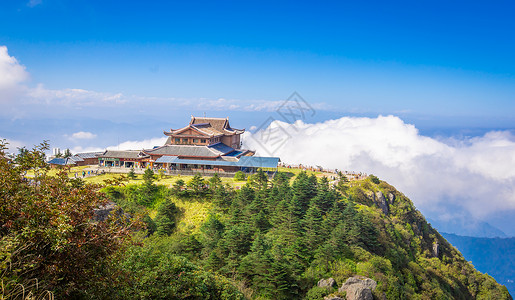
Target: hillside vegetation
pixel 494 256
pixel 203 239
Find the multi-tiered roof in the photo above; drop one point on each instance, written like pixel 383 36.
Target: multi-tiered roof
pixel 205 132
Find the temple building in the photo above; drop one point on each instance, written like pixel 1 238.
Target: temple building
pixel 206 132
pixel 204 145
pixel 207 144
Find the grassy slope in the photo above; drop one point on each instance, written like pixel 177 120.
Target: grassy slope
pixel 403 221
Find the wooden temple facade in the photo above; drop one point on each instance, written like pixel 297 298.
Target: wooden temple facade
pixel 205 144
pixel 205 132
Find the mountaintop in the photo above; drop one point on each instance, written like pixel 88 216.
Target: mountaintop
pixel 293 236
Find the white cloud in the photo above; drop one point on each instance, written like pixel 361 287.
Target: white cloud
pixel 39 101
pixel 139 145
pixel 12 73
pixel 33 3
pixel 76 97
pixel 246 105
pixel 128 145
pixel 477 174
pixel 83 135
pixel 13 145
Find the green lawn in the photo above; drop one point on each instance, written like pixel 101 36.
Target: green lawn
pixel 168 180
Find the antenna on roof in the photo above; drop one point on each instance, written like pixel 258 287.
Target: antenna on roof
pixel 204 114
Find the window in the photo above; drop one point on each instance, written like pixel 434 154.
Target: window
pixel 195 140
pixel 184 140
pixel 203 141
pixel 177 140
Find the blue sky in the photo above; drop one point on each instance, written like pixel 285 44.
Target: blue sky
pixel 433 59
pixel 93 74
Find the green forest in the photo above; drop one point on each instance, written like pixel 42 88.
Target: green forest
pixel 273 238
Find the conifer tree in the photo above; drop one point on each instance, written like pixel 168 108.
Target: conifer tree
pixel 131 174
pixel 222 197
pixel 312 226
pixel 215 182
pixel 325 196
pixel 166 218
pixel 67 153
pixel 260 221
pixel 148 177
pixel 212 231
pixel 261 179
pixel 178 187
pixel 197 185
pixel 245 195
pixel 256 266
pixel 304 189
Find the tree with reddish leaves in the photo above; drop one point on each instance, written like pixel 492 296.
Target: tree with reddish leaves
pixel 47 227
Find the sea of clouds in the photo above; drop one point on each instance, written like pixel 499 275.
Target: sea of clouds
pixel 447 178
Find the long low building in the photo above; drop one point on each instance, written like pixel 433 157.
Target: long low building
pixel 126 159
pixel 206 144
pixel 79 159
pixel 163 158
pixel 245 163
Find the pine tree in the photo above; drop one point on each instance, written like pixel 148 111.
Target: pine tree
pixel 215 182
pixel 261 179
pixel 148 177
pixel 331 220
pixel 260 221
pixel 131 174
pixel 222 197
pixel 256 267
pixel 178 187
pixel 212 231
pixel 246 195
pixel 304 189
pixel 325 196
pixel 312 226
pixel 67 153
pixel 197 185
pixel 150 225
pixel 166 218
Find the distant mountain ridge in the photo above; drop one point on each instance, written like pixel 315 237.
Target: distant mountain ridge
pixel 467 226
pixel 494 256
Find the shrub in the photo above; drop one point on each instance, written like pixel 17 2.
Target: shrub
pixel 374 179
pixel 154 272
pixel 316 293
pixel 239 176
pixel 46 229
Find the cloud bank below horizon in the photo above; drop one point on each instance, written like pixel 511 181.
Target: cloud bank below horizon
pixel 476 175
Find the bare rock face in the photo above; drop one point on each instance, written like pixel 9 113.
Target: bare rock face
pixel 382 203
pixel 333 298
pixel 330 282
pixel 101 213
pixel 436 249
pixel 358 288
pixel 379 199
pixel 391 198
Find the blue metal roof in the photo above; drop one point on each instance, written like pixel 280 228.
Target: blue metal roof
pixel 166 159
pixel 61 161
pixel 221 148
pixel 234 153
pixel 258 162
pixel 58 161
pixel 245 161
pixel 205 162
